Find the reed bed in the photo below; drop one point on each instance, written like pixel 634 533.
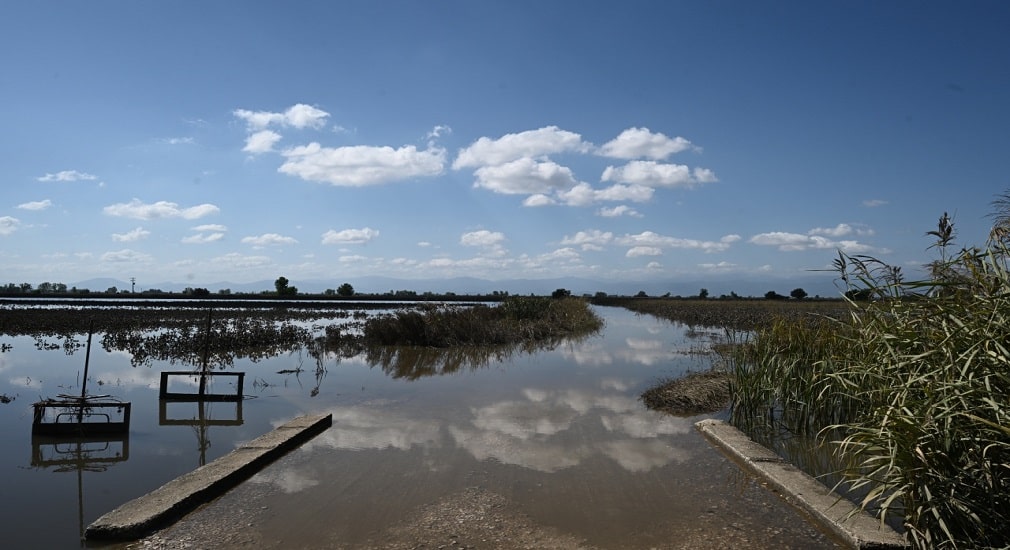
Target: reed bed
pixel 515 321
pixel 910 389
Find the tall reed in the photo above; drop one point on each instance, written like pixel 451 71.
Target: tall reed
pixel 913 386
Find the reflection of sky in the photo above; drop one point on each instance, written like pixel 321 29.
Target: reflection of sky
pixel 574 409
pixel 536 430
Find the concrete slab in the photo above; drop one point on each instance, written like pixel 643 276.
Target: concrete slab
pixel 179 496
pixel 835 513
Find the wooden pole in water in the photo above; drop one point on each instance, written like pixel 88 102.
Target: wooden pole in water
pixel 206 355
pixel 84 383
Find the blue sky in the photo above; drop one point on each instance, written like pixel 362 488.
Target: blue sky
pixel 636 140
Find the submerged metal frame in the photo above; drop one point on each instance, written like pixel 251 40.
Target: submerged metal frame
pixel 69 415
pixel 201 394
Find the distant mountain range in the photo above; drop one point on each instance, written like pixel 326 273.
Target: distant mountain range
pixel 815 285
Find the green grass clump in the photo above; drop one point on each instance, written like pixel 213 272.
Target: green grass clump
pixel 913 385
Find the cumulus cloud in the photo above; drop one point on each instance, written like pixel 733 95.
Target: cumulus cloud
pixel 261 142
pixel 531 143
pixel 268 239
pixel 361 165
pixel 35 205
pixel 211 227
pixel 841 230
pixel 538 199
pixel 161 209
pixel 202 238
pixel 583 194
pixel 297 116
pixel 637 251
pixel 593 239
pixel 618 211
pixel 655 174
pixel 641 143
pixel 9 225
pixel 67 175
pixel 131 236
pixel 648 240
pixel 793 242
pixel 524 176
pixel 350 236
pixel 491 241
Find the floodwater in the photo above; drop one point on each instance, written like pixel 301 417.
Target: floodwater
pixel 558 435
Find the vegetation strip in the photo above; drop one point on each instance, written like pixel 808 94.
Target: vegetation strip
pixel 834 512
pixel 171 501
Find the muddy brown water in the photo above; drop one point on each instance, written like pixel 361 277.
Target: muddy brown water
pixel 545 450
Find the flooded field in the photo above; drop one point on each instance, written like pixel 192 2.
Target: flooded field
pixel 545 443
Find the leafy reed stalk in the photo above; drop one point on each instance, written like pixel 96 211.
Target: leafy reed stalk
pixel 917 383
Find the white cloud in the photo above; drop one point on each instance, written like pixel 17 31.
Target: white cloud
pixel 9 225
pixel 524 176
pixel 361 165
pixel 531 143
pixel 618 211
pixel 297 116
pixel 125 256
pixel 161 209
pixel 655 174
pixel 350 236
pixel 482 238
pixel 261 142
pixel 538 200
pixel 637 251
pixel 633 193
pixel 202 238
pixel 35 205
pixel 583 194
pixel 841 230
pixel 793 242
pixel 593 239
pixel 721 266
pixel 131 236
pixel 439 131
pixel 268 239
pixel 873 203
pixel 649 239
pixel 67 175
pixel 211 227
pixel 641 143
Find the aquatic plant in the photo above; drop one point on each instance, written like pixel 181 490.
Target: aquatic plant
pixel 515 320
pixel 911 390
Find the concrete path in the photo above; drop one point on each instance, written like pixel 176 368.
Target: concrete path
pixel 834 512
pixel 179 496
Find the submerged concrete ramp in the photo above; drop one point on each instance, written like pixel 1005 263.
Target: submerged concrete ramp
pixel 835 513
pixel 179 496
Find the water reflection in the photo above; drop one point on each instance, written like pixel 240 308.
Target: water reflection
pixel 540 430
pixel 78 455
pixel 567 408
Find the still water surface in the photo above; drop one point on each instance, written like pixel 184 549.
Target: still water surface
pixel 561 432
